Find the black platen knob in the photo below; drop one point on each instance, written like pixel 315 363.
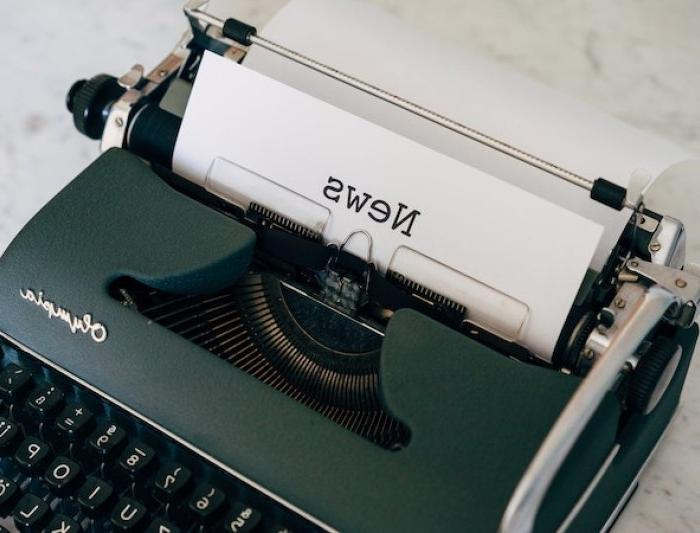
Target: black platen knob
pixel 572 356
pixel 652 375
pixel 90 101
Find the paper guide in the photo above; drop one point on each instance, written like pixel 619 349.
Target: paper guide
pixel 363 40
pixel 529 251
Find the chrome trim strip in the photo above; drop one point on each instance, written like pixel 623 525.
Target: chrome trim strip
pixel 194 10
pixel 626 496
pixel 620 505
pixel 526 500
pixel 589 490
pixel 171 435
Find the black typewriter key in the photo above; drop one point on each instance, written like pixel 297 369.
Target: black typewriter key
pixel 62 524
pixel 8 493
pixel 74 421
pixel 69 462
pixel 94 495
pixel 162 526
pixel 137 459
pixel 171 480
pixel 206 502
pixel 128 514
pixel 8 436
pixel 241 519
pixel 30 512
pixel 44 401
pixel 31 454
pixel 106 440
pixel 62 475
pixel 14 380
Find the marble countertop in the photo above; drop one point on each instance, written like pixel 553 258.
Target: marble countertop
pixel 636 59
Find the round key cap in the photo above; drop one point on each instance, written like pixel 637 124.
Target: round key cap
pixel 62 475
pixel 241 519
pixel 74 421
pixel 106 441
pixel 136 459
pixel 62 524
pixel 206 503
pixel 14 381
pixel 32 454
pixel 30 512
pixel 128 515
pixel 44 401
pixel 94 495
pixel 171 480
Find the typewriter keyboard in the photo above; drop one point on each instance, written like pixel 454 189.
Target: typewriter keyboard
pixel 72 462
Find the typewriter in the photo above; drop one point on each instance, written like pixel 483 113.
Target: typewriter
pixel 191 342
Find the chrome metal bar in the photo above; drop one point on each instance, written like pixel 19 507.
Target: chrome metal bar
pixel 632 486
pixel 427 114
pixel 589 490
pixel 194 11
pixel 526 500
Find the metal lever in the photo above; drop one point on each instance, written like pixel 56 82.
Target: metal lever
pixel 684 284
pixel 673 296
pixel 116 127
pixel 601 190
pixel 649 307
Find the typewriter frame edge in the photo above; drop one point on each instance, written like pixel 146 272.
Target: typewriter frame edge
pixel 182 442
pixel 612 366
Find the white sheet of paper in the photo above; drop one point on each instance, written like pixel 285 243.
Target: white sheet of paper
pixel 365 41
pixel 494 233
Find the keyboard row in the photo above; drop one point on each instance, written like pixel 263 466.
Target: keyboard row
pixel 73 462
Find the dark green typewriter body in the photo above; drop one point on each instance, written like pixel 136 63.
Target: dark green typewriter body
pixel 231 448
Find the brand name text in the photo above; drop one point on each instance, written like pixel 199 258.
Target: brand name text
pixel 77 324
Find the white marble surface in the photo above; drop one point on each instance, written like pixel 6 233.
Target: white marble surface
pixel 636 59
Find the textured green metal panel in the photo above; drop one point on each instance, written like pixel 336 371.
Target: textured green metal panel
pixel 637 441
pixel 496 412
pixel 476 417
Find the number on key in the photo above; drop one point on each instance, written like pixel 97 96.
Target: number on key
pixel 44 401
pixel 74 420
pixel 106 440
pixel 171 480
pixel 206 502
pixel 136 459
pixel 241 519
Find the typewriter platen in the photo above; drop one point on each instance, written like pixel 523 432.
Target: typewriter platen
pixel 209 364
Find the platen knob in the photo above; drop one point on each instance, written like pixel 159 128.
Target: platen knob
pixel 652 375
pixel 90 101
